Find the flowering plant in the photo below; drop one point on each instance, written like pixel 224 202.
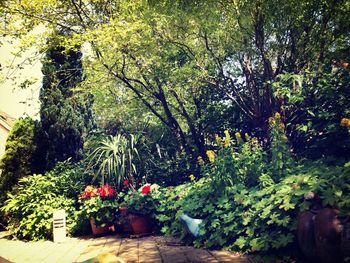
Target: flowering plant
pixel 345 122
pixel 99 204
pixel 143 201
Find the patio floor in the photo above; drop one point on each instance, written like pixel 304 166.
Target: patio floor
pixel 113 248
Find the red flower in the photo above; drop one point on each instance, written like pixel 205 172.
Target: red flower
pixel 125 182
pixel 84 195
pixel 106 191
pixel 146 189
pixel 103 191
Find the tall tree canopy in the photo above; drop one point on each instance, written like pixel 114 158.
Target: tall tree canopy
pixel 65 117
pixel 179 58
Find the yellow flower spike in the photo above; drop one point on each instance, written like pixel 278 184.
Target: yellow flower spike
pixel 255 141
pixel 211 155
pixel 227 140
pixel 277 116
pixel 272 121
pixel 192 177
pixel 238 137
pixel 247 136
pixel 200 161
pixel 345 122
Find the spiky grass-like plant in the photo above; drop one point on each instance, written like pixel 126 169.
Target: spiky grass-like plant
pixel 114 159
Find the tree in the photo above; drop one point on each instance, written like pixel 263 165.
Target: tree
pixel 65 117
pixel 176 57
pixel 19 153
pixel 165 90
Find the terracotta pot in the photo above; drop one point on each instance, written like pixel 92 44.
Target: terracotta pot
pixel 99 231
pixel 141 224
pixel 124 221
pixel 123 210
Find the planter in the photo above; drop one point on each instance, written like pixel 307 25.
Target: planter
pixel 140 224
pixel 123 220
pixel 99 231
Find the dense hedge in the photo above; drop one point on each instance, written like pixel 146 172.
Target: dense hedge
pixel 31 204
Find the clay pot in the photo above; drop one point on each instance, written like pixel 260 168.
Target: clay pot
pixel 328 232
pixel 140 224
pixel 306 236
pixel 124 222
pixel 100 231
pixel 320 235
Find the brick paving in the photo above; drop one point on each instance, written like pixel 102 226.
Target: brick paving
pixel 152 249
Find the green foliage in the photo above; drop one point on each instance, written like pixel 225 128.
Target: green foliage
pixel 179 63
pixel 236 162
pixel 65 117
pixel 248 202
pixel 114 159
pixel 30 206
pixel 141 202
pixel 281 159
pixel 102 210
pixel 311 115
pixel 258 218
pixel 170 207
pixel 168 170
pixel 19 154
pixel 245 162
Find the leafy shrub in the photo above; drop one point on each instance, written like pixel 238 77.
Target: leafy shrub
pixel 30 206
pixel 243 160
pixel 20 149
pixel 18 158
pixel 258 218
pixel 254 219
pixel 313 117
pixel 163 165
pixel 170 207
pixel 250 198
pixel 236 162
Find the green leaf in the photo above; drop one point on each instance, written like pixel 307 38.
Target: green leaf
pixel 240 242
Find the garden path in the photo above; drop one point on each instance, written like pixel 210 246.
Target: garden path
pixel 147 249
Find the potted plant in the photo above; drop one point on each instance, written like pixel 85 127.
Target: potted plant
pixel 99 206
pixel 122 217
pixel 141 209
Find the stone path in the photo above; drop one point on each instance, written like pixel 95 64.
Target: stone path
pixel 147 249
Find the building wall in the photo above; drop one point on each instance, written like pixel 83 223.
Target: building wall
pixel 3 137
pixel 6 123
